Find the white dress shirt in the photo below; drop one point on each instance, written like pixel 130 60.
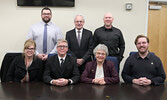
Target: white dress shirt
pixel 61 58
pixel 76 31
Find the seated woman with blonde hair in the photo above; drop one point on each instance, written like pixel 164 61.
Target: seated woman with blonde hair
pixel 100 71
pixel 27 67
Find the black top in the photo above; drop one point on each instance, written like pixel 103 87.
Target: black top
pixel 69 70
pixel 17 70
pixel 112 38
pixel 150 67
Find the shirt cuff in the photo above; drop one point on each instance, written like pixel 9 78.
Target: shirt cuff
pixel 51 81
pixel 71 82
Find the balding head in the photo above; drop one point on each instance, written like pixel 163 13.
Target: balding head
pixel 108 19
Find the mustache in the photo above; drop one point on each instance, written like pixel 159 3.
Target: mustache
pixel 46 21
pixel 141 47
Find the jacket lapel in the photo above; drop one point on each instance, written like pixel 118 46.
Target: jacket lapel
pixel 22 64
pixel 57 65
pixel 93 69
pixel 105 67
pixel 83 37
pixel 75 38
pixel 65 65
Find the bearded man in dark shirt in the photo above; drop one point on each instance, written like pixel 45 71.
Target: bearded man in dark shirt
pixel 143 68
pixel 110 36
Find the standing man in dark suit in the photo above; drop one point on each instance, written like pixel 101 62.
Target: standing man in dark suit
pixel 61 69
pixel 80 42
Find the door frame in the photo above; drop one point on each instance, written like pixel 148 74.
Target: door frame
pixel 147 10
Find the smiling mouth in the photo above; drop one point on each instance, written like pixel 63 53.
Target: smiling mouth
pixel 141 48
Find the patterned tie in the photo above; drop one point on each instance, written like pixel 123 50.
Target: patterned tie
pixel 61 64
pixel 79 38
pixel 45 39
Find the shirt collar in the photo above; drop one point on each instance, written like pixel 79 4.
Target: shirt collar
pixel 76 30
pixel 49 23
pixel 148 55
pixel 110 29
pixel 62 58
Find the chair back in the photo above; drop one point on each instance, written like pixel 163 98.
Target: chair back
pixel 52 54
pixel 115 61
pixel 133 52
pixel 8 58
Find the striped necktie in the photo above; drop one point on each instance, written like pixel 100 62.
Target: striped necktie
pixel 79 38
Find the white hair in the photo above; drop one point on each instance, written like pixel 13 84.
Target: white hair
pixel 81 16
pixel 101 47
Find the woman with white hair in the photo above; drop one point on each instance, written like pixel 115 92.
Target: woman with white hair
pixel 100 71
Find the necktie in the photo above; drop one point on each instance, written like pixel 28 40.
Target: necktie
pixel 61 64
pixel 79 38
pixel 45 39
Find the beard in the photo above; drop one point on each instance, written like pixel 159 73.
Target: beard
pixel 143 52
pixel 108 24
pixel 46 20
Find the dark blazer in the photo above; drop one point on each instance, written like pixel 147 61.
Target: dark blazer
pixel 17 70
pixel 110 73
pixel 54 71
pixel 85 49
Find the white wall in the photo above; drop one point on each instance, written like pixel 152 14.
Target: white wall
pixel 16 21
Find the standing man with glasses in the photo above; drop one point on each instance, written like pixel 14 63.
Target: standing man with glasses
pixel 61 69
pixel 45 34
pixel 80 42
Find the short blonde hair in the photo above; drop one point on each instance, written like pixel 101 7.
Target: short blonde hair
pixel 61 40
pixel 28 43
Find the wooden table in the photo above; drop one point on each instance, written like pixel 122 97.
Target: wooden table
pixel 81 91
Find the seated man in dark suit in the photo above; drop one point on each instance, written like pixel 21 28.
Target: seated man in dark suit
pixel 61 69
pixel 143 68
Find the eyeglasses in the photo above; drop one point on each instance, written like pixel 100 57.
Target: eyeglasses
pixel 62 46
pixel 29 49
pixel 141 43
pixel 98 53
pixel 79 21
pixel 46 13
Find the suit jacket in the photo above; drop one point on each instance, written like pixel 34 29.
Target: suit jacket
pixel 85 49
pixel 54 71
pixel 17 70
pixel 110 73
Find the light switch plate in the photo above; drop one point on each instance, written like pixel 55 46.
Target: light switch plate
pixel 128 6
